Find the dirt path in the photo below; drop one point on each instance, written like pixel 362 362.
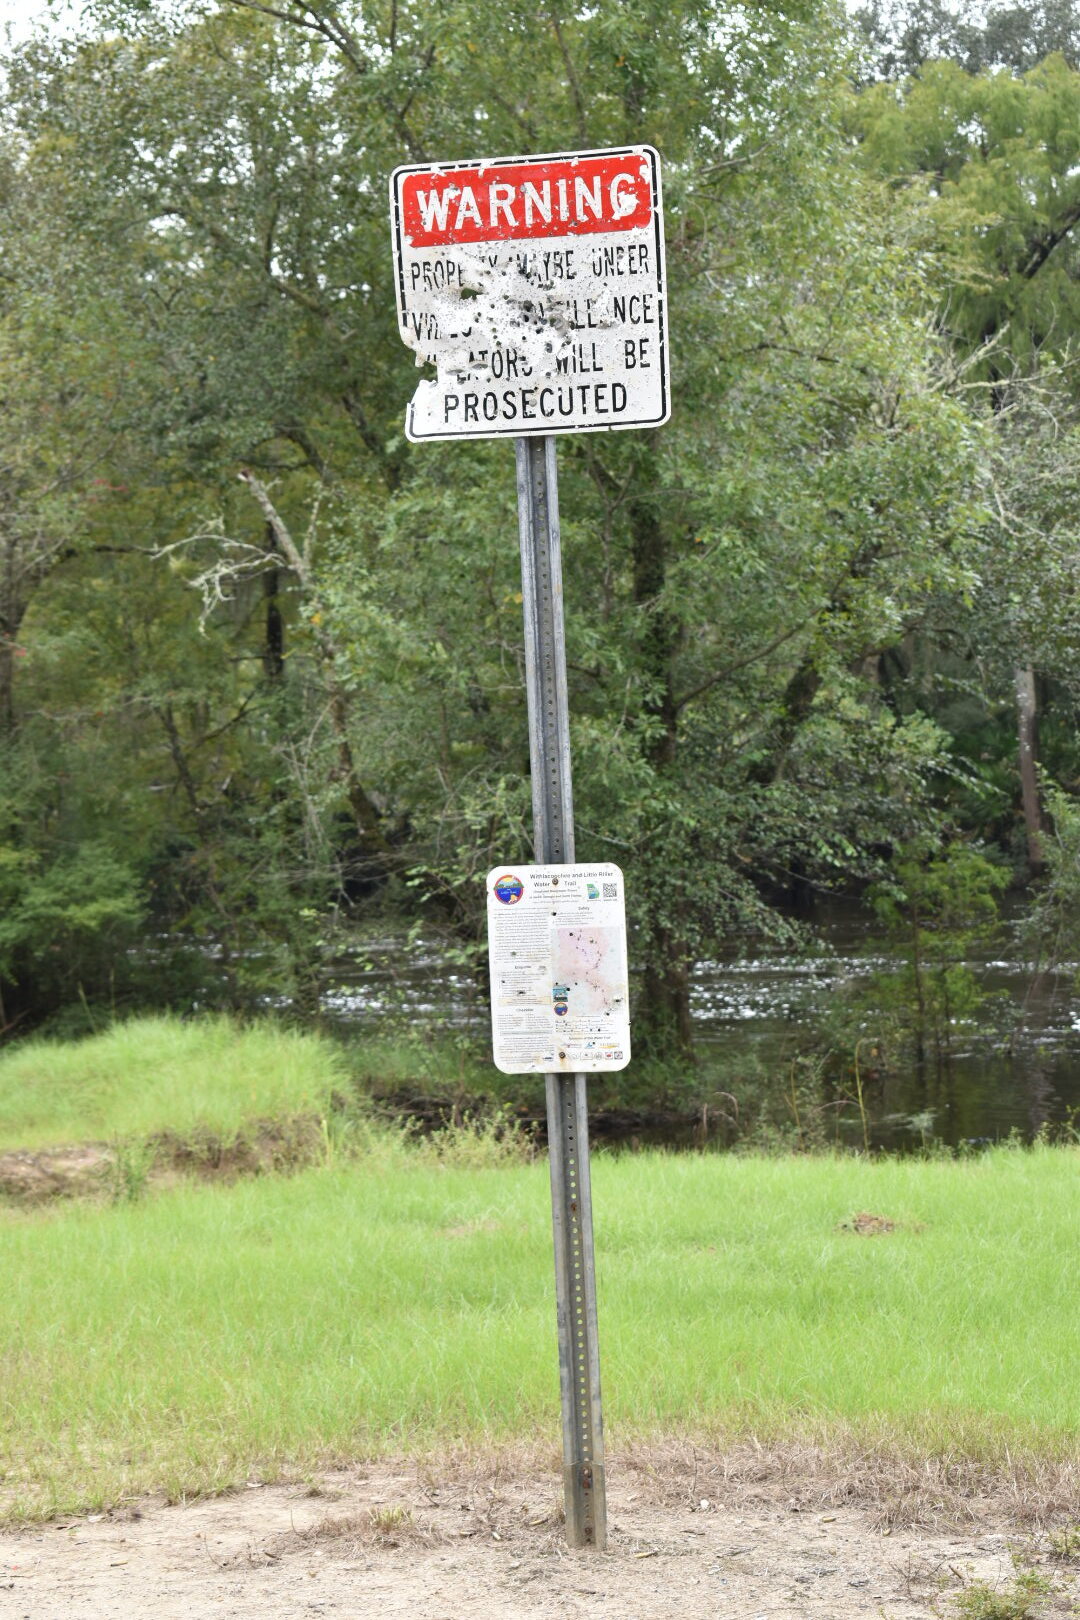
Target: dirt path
pixel 486 1544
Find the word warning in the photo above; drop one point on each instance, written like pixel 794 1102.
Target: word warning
pixel 557 954
pixel 535 287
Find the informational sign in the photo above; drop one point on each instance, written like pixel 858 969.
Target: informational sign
pixel 557 951
pixel 535 287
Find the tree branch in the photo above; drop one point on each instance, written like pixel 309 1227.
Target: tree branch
pixel 308 448
pixel 306 16
pixel 401 113
pixel 314 305
pixel 1046 245
pixel 286 544
pixel 740 663
pixel 571 79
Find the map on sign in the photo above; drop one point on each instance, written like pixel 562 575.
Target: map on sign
pixel 535 288
pixel 557 954
pixel 591 958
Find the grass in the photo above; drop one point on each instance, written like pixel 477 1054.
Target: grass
pixel 1018 1600
pixel 1065 1543
pixel 400 1302
pixel 160 1073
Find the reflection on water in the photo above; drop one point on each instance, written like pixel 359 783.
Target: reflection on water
pixel 1019 1069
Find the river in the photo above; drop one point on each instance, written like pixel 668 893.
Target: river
pixel 1016 1068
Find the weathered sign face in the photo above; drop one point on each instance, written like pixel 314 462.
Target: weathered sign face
pixel 535 286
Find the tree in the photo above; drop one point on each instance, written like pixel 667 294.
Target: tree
pixel 733 579
pixel 62 368
pixel 902 36
pixel 993 153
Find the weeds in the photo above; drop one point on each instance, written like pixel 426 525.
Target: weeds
pixel 474 1144
pixel 384 1526
pixel 127 1170
pixel 390 1521
pixel 1019 1600
pixel 1065 1544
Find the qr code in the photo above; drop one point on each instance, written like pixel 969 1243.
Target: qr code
pixel 611 891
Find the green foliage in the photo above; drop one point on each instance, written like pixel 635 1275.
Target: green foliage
pixel 128 1170
pixel 1022 1597
pixel 901 35
pixel 475 1144
pixel 1053 926
pixel 985 139
pixel 342 730
pixel 81 903
pixel 993 153
pixel 1065 1543
pixel 66 925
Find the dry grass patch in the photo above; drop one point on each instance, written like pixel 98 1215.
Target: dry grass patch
pixel 865 1224
pixel 507 1491
pixel 899 1485
pixel 349 1533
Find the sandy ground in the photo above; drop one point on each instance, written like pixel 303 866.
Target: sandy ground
pixel 486 1543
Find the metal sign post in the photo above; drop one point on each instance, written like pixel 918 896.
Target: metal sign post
pixel 567 1106
pixel 534 287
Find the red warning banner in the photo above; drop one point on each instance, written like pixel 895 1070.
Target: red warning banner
pixel 523 201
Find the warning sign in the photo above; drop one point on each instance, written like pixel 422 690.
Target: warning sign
pixel 535 287
pixel 557 953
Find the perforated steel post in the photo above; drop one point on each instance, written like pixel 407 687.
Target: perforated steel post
pixel 567 1106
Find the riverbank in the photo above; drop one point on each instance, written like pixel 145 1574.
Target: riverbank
pixel 216 1094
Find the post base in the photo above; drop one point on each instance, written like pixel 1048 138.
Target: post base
pixel 586 1505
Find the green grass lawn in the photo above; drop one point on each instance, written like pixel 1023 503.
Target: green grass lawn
pixel 204 1334
pixel 155 1074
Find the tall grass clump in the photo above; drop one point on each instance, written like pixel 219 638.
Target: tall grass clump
pixel 156 1074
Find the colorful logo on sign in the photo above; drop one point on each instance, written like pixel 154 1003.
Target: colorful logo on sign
pixel 509 889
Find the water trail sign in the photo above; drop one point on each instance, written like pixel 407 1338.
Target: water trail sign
pixel 557 953
pixel 535 287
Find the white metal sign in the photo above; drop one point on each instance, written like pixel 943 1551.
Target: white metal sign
pixel 559 985
pixel 535 286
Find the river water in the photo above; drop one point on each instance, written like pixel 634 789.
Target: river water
pixel 1016 1068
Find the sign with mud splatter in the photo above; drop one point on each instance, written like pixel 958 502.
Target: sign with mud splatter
pixel 535 288
pixel 557 953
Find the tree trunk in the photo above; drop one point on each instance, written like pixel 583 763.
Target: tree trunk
pixel 7 682
pixel 795 705
pixel 365 815
pixel 663 1026
pixel 1027 726
pixel 273 659
pixel 13 607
